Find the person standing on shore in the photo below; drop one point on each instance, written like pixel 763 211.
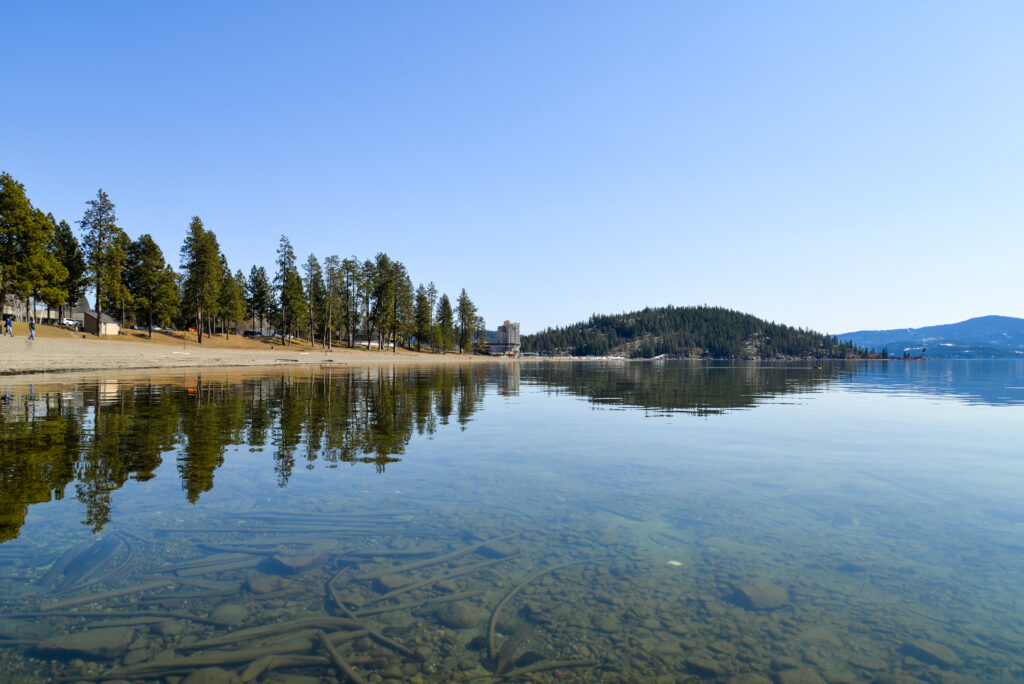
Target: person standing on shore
pixel 31 330
pixel 7 326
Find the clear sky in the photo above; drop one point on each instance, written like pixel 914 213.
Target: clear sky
pixel 833 165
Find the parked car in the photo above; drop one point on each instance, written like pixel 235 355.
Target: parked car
pixel 70 321
pixel 253 333
pixel 157 328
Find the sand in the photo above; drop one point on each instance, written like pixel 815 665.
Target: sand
pixel 58 351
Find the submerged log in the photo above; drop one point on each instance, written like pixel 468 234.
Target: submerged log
pixel 516 590
pixel 339 661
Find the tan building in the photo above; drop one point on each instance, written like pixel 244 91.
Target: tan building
pixel 103 325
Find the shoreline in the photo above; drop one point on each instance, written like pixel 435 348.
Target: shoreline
pixel 53 355
pixel 49 356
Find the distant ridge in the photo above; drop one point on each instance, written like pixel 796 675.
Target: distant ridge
pixel 985 337
pixel 687 332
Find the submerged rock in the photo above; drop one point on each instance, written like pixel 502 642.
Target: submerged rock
pixel 760 595
pixel 608 623
pixel 386 583
pixel 497 549
pixel 460 615
pixel 260 583
pixel 94 643
pixel 22 630
pixel 290 563
pixel 931 653
pixel 229 614
pixel 703 666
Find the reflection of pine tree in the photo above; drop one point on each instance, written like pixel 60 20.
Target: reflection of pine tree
pixel 211 418
pixel 121 432
pixel 37 460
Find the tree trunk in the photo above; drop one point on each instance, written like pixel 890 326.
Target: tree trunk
pixel 99 307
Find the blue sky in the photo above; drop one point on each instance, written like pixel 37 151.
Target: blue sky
pixel 837 166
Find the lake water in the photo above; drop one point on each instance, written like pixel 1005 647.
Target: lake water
pixel 571 522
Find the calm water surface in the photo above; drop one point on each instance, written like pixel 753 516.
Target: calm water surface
pixel 602 521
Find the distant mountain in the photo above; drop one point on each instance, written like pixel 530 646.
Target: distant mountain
pixel 986 337
pixel 687 332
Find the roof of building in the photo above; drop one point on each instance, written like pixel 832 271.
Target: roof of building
pixel 104 318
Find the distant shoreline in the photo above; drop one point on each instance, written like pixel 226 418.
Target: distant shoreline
pixel 49 354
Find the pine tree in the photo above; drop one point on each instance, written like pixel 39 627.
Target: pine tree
pixel 200 261
pixel 146 277
pixel 350 298
pixel 117 295
pixel 365 288
pixel 466 312
pixel 383 310
pixel 28 265
pixel 44 273
pixel 259 295
pixel 445 323
pixel 423 318
pixel 316 297
pixel 65 248
pixel 404 323
pixel 99 239
pixel 289 287
pixel 334 287
pixel 231 298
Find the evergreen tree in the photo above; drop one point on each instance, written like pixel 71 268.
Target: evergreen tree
pixel 117 295
pixel 259 295
pixel 100 236
pixel 316 298
pixel 334 289
pixel 422 317
pixel 404 322
pixel 466 312
pixel 432 301
pixel 44 273
pixel 289 287
pixel 445 323
pixel 350 298
pixel 167 297
pixel 383 310
pixel 200 261
pixel 147 278
pixel 231 298
pixel 364 285
pixel 28 265
pixel 65 248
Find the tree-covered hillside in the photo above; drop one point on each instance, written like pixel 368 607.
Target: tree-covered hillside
pixel 688 332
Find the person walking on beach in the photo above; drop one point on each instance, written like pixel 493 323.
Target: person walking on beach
pixel 7 326
pixel 32 330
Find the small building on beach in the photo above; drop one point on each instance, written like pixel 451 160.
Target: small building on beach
pixel 99 325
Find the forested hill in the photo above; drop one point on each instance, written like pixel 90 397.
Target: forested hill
pixel 687 332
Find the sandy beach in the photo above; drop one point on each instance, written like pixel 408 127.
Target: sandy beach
pixel 77 353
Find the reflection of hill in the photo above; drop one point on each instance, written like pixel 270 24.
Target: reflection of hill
pixel 101 435
pixel 708 388
pixel 691 387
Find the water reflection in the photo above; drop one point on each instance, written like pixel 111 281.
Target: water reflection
pixel 99 436
pixel 833 535
pixel 708 388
